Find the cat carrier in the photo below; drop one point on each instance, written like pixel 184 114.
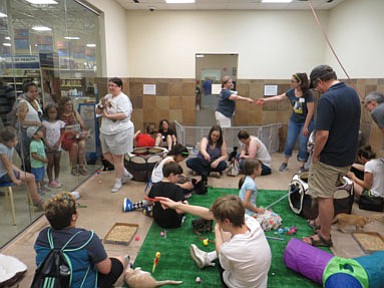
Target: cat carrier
pixel 305 205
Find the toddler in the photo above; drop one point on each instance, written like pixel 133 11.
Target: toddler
pixel 38 157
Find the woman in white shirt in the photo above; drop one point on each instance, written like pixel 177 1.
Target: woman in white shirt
pixel 373 183
pixel 117 130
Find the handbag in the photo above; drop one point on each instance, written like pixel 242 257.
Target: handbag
pixel 371 203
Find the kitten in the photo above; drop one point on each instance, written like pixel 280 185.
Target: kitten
pixel 142 279
pixel 358 221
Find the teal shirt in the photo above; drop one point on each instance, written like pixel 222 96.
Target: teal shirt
pixel 38 148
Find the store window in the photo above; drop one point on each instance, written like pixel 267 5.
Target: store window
pixel 54 44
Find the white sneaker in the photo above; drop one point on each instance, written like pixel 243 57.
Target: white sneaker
pixel 116 187
pixel 200 257
pixel 126 178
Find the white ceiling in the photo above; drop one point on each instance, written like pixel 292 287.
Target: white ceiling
pixel 228 5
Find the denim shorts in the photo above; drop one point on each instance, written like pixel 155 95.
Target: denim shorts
pixel 6 179
pixel 39 173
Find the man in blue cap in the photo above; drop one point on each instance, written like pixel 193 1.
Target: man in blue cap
pixel 336 141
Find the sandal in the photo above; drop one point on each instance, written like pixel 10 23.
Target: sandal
pixel 313 225
pixel 74 171
pixel 321 242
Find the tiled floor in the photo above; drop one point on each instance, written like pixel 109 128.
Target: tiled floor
pixel 101 209
pixel 25 214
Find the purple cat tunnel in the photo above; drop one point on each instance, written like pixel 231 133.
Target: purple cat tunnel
pixel 306 259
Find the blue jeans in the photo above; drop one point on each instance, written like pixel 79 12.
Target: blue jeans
pixel 203 167
pixel 295 130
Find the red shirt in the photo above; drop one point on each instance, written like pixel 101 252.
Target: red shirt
pixel 143 140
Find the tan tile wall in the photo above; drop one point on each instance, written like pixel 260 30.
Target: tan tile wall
pixel 175 100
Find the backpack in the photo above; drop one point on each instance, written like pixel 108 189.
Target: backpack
pixel 55 271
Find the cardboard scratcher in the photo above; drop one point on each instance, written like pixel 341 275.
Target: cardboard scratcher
pixel 121 233
pixel 369 241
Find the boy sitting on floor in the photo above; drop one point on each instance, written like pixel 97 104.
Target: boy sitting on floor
pixel 165 218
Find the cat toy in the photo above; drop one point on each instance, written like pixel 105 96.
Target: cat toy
pixel 155 261
pixel 289 231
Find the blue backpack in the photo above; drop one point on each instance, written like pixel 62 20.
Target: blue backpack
pixel 55 271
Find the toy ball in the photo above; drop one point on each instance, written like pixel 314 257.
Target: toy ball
pixel 99 181
pixel 162 233
pixel 137 238
pixel 280 230
pixel 205 242
pixel 198 280
pixel 286 229
pixel 158 254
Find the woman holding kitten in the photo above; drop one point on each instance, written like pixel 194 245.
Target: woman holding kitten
pixel 117 130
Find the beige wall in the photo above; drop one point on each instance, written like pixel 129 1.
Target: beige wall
pixel 270 44
pixel 159 48
pixel 355 29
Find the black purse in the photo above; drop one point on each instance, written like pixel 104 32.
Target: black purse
pixel 371 203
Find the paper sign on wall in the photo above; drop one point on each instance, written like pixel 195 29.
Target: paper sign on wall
pixel 270 90
pixel 149 89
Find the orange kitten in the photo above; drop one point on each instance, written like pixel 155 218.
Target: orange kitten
pixel 344 220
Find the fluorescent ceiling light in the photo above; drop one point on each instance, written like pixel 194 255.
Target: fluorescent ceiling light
pixel 276 1
pixel 41 28
pixel 179 1
pixel 42 2
pixel 7 38
pixel 7 44
pixel 91 45
pixel 72 37
pixel 2 15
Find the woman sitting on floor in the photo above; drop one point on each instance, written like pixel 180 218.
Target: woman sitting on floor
pixel 166 135
pixel 373 183
pixel 177 154
pixel 212 155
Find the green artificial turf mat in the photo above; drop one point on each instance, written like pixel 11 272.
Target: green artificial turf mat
pixel 176 264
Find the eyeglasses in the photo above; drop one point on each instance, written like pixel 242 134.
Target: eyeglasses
pixel 112 85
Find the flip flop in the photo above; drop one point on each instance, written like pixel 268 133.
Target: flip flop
pixel 312 224
pixel 321 242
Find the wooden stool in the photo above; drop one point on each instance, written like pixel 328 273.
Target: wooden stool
pixel 9 194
